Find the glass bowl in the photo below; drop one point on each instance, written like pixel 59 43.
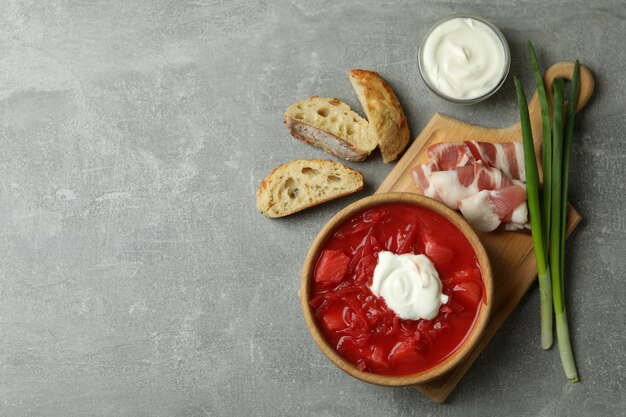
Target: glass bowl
pixel 507 60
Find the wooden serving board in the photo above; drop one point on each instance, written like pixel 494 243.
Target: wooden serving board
pixel 511 254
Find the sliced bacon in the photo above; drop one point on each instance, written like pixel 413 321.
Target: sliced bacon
pixel 505 201
pixel 482 180
pixel 507 157
pixel 448 155
pixel 487 209
pixel 452 186
pixel 421 177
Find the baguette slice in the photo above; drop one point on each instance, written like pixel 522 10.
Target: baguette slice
pixel 331 125
pixel 304 183
pixel 387 122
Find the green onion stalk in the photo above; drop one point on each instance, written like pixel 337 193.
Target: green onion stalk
pixel 545 291
pixel 534 208
pixel 562 330
pixel 546 137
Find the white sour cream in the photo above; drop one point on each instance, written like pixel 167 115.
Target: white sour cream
pixel 463 58
pixel 409 284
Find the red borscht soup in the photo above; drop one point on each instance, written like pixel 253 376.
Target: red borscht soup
pixel 359 325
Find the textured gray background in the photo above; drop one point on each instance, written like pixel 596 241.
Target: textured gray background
pixel 137 277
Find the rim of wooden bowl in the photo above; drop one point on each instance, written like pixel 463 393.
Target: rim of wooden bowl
pixel 479 323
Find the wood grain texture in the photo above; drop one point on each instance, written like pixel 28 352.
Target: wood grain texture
pixel 511 254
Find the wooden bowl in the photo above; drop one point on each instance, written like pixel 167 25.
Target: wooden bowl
pixel 309 268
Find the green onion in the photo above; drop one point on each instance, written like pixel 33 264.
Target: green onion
pixel 562 330
pixel 546 140
pixel 546 157
pixel 567 151
pixel 555 236
pixel 556 152
pixel 557 240
pixel 534 208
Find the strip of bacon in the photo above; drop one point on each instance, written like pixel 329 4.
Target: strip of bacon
pixel 454 185
pixel 507 157
pixel 488 209
pixel 449 155
pixel 482 180
pixel 421 177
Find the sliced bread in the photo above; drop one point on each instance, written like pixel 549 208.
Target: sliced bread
pixel 304 183
pixel 331 125
pixel 387 123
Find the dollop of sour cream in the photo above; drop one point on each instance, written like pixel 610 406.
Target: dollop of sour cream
pixel 463 58
pixel 409 284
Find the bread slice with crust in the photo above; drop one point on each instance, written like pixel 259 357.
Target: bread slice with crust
pixel 304 183
pixel 387 123
pixel 332 125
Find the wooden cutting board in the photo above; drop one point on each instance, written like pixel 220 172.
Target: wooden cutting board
pixel 511 254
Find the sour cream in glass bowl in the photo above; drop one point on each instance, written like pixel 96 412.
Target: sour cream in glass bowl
pixel 464 59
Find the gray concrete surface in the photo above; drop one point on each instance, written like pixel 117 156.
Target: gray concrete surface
pixel 137 278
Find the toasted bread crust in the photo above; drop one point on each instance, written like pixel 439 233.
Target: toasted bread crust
pixel 386 118
pixel 300 184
